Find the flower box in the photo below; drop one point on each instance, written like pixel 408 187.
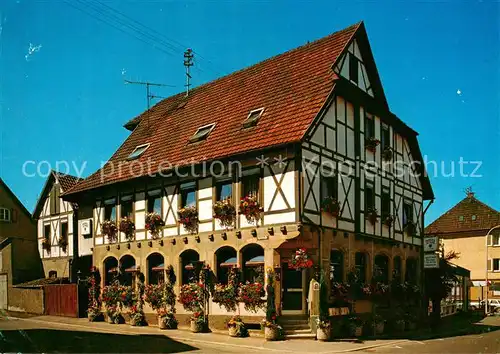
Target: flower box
pixel 46 244
pixel 387 154
pixel 153 224
pixel 188 217
pixel 331 206
pixel 127 226
pixel 301 260
pixel 225 212
pixel 388 220
pixel 371 215
pixel 109 229
pixel 410 228
pixel 371 144
pixel 249 206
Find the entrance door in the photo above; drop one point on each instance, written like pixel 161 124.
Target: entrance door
pixel 292 286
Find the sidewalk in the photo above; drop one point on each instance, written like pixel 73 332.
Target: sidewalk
pixel 215 339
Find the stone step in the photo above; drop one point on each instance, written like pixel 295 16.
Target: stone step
pixel 296 326
pixel 301 336
pixel 298 331
pixel 285 322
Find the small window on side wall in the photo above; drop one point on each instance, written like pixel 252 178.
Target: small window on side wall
pixel 407 213
pixel 250 183
pixel 369 197
pixel 224 190
pixel 329 186
pixel 110 210
pixel 353 68
pixel 5 215
pixel 369 127
pixel 154 202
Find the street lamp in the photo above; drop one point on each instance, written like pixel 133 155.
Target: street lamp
pixel 487 236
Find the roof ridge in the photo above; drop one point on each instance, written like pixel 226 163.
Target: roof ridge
pixel 292 50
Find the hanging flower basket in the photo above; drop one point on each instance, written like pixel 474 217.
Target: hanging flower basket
pixel 109 229
pixel 331 206
pixel 410 228
pixel 249 206
pixel 388 220
pixel 371 144
pixel 191 296
pixel 188 217
pixel 300 260
pixel 46 244
pixel 387 154
pixel 225 296
pixel 371 215
pixel 62 242
pixel 154 223
pixel 225 212
pixel 127 226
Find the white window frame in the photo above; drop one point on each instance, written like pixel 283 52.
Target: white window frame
pixel 493 264
pixel 5 215
pixel 196 138
pixel 145 146
pixel 250 123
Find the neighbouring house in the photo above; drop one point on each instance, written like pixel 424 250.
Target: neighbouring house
pixel 463 229
pixel 296 135
pixel 62 252
pixel 19 258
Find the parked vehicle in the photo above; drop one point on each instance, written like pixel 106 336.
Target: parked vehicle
pixel 493 305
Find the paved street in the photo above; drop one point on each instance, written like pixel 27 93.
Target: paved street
pixel 59 334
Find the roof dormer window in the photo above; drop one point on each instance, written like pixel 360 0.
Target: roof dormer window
pixel 253 117
pixel 202 133
pixel 138 151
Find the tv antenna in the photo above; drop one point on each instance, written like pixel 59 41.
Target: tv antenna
pixel 149 95
pixel 188 62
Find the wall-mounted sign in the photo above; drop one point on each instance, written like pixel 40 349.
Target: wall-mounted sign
pixel 86 227
pixel 431 243
pixel 431 260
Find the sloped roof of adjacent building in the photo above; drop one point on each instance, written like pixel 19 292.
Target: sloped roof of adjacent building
pixel 292 88
pixel 460 217
pixel 66 182
pixel 14 198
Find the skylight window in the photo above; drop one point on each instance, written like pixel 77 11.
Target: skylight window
pixel 202 133
pixel 253 118
pixel 138 151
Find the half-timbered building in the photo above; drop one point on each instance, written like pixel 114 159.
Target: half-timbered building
pixel 56 224
pixel 295 130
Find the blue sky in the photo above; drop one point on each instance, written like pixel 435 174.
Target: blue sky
pixel 439 64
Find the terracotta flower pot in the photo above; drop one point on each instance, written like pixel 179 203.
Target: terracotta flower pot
pixel 356 331
pixel 161 323
pixel 196 327
pixel 270 333
pixel 323 334
pixel 379 328
pixel 233 331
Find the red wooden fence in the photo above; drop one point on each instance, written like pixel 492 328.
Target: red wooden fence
pixel 61 300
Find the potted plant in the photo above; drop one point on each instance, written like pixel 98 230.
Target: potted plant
pixel 111 298
pixel 331 206
pixel 371 144
pixel 127 226
pixel 371 214
pixel 387 154
pixel 249 206
pixel 192 298
pixel 324 327
pixel 225 212
pixel 272 331
pixel 300 260
pixel 355 326
pixel 399 325
pixel 109 229
pixel 237 327
pixel 46 244
pixel 410 321
pixel 153 224
pixel 137 317
pixel 388 220
pixel 378 324
pixel 188 217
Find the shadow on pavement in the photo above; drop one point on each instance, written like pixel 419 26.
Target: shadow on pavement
pixel 49 340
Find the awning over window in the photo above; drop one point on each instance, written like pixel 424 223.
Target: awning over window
pixel 159 268
pixel 231 262
pixel 132 269
pixel 113 270
pixel 255 262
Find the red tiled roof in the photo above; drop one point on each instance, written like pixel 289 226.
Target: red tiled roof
pixel 292 87
pixel 67 181
pixel 450 222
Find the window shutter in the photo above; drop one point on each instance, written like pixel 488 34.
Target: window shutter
pixel 489 264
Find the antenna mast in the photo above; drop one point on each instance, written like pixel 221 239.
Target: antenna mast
pixel 188 62
pixel 149 96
